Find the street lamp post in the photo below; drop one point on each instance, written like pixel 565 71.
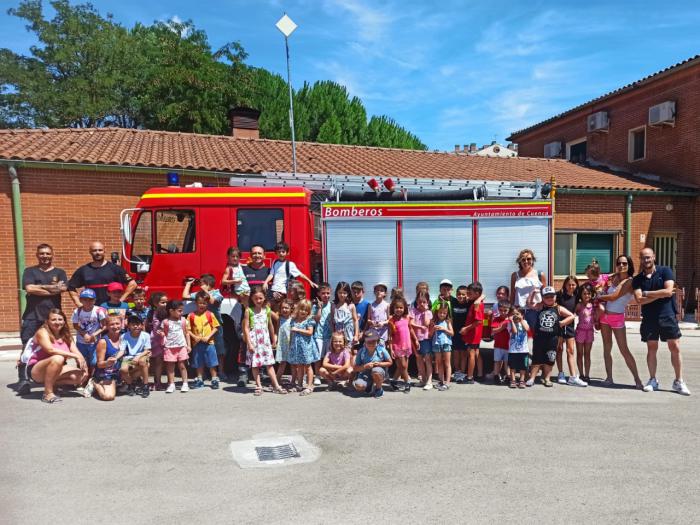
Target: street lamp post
pixel 287 26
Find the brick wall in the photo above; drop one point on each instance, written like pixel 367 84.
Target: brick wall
pixel 671 152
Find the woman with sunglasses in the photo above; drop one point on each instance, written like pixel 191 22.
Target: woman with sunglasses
pixel 616 297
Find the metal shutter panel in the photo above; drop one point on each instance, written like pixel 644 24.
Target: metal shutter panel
pixel 361 250
pixel 500 242
pixel 434 250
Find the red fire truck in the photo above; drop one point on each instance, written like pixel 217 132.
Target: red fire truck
pixel 342 228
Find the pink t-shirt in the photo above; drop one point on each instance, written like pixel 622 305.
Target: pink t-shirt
pixel 421 319
pixel 40 354
pixel 401 336
pixel 338 359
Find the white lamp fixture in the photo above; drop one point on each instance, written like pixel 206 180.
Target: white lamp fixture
pixel 287 26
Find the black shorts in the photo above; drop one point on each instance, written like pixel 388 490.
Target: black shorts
pixel 471 346
pixel 663 328
pixel 544 354
pixel 457 342
pixel 519 361
pixel 568 332
pixel 29 328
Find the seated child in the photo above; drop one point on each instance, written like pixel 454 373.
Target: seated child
pixel 136 345
pixel 371 363
pixel 337 364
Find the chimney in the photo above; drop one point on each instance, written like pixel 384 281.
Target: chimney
pixel 493 142
pixel 456 148
pixel 244 123
pixel 472 147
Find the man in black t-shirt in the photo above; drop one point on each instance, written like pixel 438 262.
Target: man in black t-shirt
pixel 44 285
pixel 97 275
pixel 653 289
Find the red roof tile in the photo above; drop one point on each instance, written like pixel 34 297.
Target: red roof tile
pixel 159 149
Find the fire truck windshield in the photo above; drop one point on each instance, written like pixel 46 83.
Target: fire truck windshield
pixel 263 227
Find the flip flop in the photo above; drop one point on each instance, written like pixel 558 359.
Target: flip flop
pixel 280 391
pixel 51 400
pixel 306 392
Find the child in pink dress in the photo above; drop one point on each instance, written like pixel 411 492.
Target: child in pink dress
pixel 401 334
pixel 584 327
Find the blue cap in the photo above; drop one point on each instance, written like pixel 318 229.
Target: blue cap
pixel 88 293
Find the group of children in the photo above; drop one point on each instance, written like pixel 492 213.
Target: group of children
pixel 336 337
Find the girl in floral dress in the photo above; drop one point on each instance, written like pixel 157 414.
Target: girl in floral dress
pixel 259 334
pixel 302 347
pixel 344 316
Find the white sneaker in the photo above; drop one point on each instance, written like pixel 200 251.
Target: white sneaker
pixel 576 381
pixel 428 386
pixel 317 381
pixel 561 378
pixel 89 388
pixel 529 382
pixel 170 389
pixel 651 385
pixel 680 387
pixel 184 388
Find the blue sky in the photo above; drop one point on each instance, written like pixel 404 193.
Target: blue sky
pixel 452 72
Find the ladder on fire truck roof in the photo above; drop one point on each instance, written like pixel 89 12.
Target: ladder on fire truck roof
pixel 330 185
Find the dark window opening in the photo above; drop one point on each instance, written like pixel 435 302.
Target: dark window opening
pixel 577 153
pixel 263 227
pixel 175 231
pixel 638 140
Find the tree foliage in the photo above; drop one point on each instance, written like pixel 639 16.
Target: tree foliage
pixel 89 71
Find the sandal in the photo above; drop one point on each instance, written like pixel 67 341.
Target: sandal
pixel 51 400
pixel 521 384
pixel 279 390
pixel 512 384
pixel 547 383
pixel 306 392
pixel 258 391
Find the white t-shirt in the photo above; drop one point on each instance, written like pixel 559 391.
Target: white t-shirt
pixel 89 321
pixel 279 273
pixel 135 346
pixel 174 333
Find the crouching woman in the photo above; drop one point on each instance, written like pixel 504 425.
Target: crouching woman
pixel 54 346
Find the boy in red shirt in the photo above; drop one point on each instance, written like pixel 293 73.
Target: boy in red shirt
pixel 501 340
pixel 473 328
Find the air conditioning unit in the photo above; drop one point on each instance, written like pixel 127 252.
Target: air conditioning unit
pixel 664 113
pixel 598 122
pixel 552 150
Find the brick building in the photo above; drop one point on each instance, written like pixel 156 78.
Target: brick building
pixel 74 183
pixel 649 130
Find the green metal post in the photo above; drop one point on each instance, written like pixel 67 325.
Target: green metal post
pixel 628 224
pixel 19 234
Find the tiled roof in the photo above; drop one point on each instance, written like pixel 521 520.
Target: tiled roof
pixel 654 76
pixel 159 149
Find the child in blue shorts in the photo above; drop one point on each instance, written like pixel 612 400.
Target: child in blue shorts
pixel 88 321
pixel 202 327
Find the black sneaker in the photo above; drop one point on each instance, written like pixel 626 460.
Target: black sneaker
pixel 24 388
pixel 242 377
pixel 407 388
pixel 131 390
pixel 469 381
pixel 145 391
pixel 394 385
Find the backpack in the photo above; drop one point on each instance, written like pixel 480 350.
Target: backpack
pixel 251 315
pixel 209 316
pixel 28 351
pixel 166 323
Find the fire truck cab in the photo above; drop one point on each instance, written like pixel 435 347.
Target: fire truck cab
pixel 176 232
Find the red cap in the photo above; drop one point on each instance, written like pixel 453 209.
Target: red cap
pixel 115 287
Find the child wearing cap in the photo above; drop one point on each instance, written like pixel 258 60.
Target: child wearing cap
pixel 378 312
pixel 371 363
pixel 88 322
pixel 551 318
pixel 115 305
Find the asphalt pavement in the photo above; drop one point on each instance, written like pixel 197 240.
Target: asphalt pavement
pixel 474 454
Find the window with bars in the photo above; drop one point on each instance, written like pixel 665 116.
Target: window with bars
pixel 665 247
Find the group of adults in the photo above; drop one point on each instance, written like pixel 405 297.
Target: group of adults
pixel 44 285
pixel 652 288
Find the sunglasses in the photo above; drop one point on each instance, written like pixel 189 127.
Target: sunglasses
pixel 622 263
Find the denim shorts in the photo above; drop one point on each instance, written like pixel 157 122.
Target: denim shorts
pixel 364 379
pixel 425 347
pixel 89 352
pixel 500 354
pixel 204 355
pixel 440 349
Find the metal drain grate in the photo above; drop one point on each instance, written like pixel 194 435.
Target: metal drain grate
pixel 277 453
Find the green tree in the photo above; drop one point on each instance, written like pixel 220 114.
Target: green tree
pixel 330 132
